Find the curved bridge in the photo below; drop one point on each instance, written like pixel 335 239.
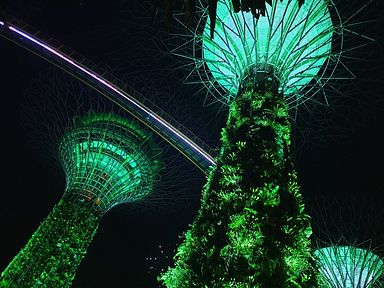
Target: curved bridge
pixel 108 85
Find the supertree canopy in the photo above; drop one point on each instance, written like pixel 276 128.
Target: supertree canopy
pixel 252 230
pixel 107 160
pixel 349 266
pixel 349 241
pixel 290 43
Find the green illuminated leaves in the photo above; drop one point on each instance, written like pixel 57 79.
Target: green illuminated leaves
pixel 231 157
pixel 55 249
pixel 4 283
pixel 240 145
pixel 228 196
pixel 268 194
pixel 251 229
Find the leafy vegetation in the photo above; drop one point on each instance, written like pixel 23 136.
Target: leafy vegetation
pixel 251 229
pixel 55 250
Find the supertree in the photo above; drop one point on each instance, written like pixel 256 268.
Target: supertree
pixel 252 230
pixel 107 160
pixel 204 67
pixel 349 241
pixel 349 266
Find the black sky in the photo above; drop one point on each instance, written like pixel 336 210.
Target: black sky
pixel 347 166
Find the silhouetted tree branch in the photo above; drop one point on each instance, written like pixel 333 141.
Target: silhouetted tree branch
pixel 256 7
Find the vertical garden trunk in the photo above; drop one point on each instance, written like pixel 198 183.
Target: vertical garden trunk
pixel 251 230
pixel 54 252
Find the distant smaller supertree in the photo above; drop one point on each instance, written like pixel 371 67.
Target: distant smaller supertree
pixel 350 266
pixel 107 160
pixel 349 242
pixel 59 122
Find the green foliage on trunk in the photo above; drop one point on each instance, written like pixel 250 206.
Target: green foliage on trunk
pixel 55 250
pixel 251 230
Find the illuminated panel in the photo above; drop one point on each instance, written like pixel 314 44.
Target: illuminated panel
pixel 348 266
pixel 108 161
pixel 295 42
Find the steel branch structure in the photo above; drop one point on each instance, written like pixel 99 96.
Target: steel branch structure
pixel 308 56
pixel 107 160
pixel 292 42
pixel 349 266
pixel 252 226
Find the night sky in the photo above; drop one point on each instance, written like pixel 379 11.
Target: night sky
pixel 340 162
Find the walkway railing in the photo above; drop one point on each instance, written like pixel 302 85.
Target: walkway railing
pixel 114 89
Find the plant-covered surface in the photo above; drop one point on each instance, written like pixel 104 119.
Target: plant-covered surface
pixel 54 252
pixel 251 230
pixel 107 160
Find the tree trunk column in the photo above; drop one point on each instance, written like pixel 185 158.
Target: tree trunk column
pixel 54 252
pixel 251 230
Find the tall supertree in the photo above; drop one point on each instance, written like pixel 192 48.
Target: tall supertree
pixel 107 160
pixel 252 230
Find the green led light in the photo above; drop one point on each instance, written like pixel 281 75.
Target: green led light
pixel 89 153
pixel 295 42
pixel 104 161
pixel 348 266
pixel 107 160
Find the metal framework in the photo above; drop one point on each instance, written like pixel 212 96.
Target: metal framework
pixel 305 47
pixel 193 148
pixel 294 41
pixel 349 266
pixel 107 160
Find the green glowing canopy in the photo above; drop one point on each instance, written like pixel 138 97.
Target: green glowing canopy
pixel 295 42
pixel 108 160
pixel 348 266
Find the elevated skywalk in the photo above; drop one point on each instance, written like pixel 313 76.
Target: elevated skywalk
pixel 114 89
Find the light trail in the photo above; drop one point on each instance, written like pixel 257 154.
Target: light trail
pixel 136 103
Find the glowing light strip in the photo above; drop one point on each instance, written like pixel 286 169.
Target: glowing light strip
pixel 1 23
pixel 127 97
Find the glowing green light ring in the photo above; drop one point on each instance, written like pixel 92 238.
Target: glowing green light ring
pixel 348 266
pixel 313 82
pixel 96 166
pixel 109 159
